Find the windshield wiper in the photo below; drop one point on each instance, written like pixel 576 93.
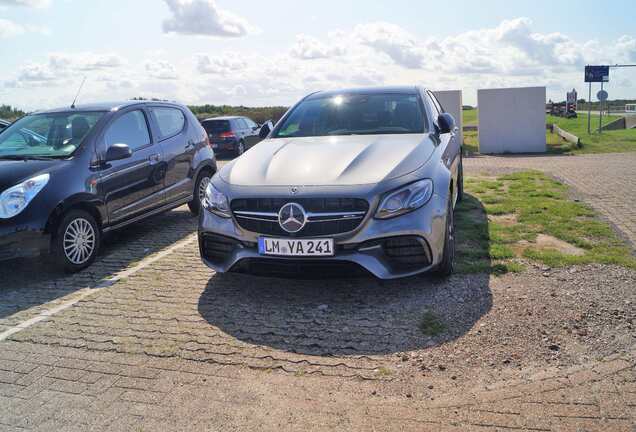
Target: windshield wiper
pixel 25 157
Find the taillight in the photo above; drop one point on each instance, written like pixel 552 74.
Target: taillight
pixel 227 135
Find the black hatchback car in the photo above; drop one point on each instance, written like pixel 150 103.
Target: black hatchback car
pixel 232 134
pixel 69 175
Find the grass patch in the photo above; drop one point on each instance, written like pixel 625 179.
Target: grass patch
pixel 607 142
pixel 431 324
pixel 500 218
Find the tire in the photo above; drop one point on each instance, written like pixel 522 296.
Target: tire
pixel 460 179
pixel 76 242
pixel 240 148
pixel 445 267
pixel 199 191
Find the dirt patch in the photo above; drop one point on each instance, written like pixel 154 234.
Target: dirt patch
pixel 548 242
pixel 505 219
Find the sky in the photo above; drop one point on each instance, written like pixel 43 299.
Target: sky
pixel 255 53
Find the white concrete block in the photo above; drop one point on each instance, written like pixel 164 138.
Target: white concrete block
pixel 451 101
pixel 512 120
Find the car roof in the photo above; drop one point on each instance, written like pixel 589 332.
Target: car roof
pixel 5 122
pixel 105 106
pixel 223 118
pixel 365 90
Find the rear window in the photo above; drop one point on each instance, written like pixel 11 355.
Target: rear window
pixel 216 126
pixel 170 121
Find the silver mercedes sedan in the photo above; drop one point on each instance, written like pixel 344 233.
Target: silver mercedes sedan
pixel 348 182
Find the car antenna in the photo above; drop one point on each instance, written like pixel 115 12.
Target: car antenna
pixel 78 93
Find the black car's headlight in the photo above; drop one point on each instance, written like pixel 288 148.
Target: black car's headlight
pixel 15 199
pixel 405 199
pixel 216 202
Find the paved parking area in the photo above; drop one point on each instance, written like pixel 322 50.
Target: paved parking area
pixel 150 339
pixel 606 181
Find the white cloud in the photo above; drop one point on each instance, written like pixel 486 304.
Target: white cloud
pixel 393 41
pixel 161 70
pixel 10 29
pixel 27 3
pixel 84 61
pixel 220 64
pixel 203 17
pixel 309 48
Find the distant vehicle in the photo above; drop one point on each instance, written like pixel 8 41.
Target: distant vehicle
pixel 70 175
pixel 3 124
pixel 347 180
pixel 232 134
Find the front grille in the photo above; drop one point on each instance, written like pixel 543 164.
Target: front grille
pixel 325 216
pixel 216 248
pixel 297 268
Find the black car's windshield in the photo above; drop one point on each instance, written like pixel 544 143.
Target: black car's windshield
pixel 46 135
pixel 354 114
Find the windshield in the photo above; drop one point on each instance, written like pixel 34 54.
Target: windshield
pixel 355 114
pixel 47 135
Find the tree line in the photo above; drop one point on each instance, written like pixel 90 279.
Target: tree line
pixel 258 114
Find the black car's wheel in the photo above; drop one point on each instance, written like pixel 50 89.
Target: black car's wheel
pixel 460 179
pixel 199 191
pixel 240 148
pixel 445 267
pixel 77 241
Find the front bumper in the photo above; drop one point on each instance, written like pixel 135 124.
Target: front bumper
pixel 22 244
pixel 367 248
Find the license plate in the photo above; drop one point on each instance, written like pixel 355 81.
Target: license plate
pixel 215 145
pixel 295 247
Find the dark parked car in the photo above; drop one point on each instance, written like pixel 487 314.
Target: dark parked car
pixel 3 124
pixel 69 175
pixel 232 134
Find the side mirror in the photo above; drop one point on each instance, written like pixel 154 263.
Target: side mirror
pixel 118 152
pixel 446 123
pixel 265 130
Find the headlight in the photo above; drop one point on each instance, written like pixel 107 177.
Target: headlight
pixel 216 202
pixel 17 198
pixel 405 199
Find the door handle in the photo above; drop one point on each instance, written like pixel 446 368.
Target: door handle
pixel 154 158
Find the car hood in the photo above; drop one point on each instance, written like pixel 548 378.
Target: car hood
pixel 14 172
pixel 338 160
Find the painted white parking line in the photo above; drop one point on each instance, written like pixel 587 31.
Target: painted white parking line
pixel 83 293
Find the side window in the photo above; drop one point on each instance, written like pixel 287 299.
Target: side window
pixel 170 121
pixel 250 123
pixel 130 129
pixel 240 124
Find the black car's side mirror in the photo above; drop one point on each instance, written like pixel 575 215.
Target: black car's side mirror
pixel 446 123
pixel 118 152
pixel 265 130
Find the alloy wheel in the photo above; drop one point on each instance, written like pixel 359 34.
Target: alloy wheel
pixel 203 185
pixel 79 241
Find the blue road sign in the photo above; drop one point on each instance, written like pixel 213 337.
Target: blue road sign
pixel 597 73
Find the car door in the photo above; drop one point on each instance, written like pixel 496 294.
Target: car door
pixel 171 128
pixel 133 185
pixel 451 147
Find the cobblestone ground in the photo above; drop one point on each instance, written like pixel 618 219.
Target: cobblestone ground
pixel 169 345
pixel 606 181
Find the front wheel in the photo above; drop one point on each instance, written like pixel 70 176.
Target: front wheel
pixel 199 192
pixel 445 267
pixel 76 242
pixel 460 179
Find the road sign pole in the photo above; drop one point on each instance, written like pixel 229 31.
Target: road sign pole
pixel 589 111
pixel 600 112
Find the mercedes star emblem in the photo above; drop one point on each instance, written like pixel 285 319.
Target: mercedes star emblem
pixel 292 217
